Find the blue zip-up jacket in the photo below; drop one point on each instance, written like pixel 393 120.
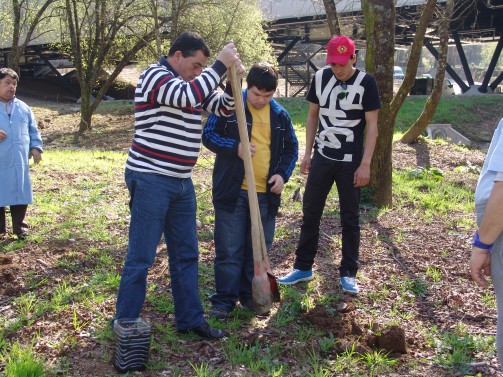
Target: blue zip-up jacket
pixel 221 135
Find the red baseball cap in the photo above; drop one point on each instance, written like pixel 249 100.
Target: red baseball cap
pixel 339 50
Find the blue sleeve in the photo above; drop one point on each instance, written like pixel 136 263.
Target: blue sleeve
pixel 35 138
pixel 216 136
pixel 290 152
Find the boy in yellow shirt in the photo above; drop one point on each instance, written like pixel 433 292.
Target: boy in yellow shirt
pixel 274 150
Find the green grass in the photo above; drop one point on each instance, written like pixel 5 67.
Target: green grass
pixel 462 112
pixel 430 194
pixel 21 361
pixel 204 370
pixel 79 186
pixel 455 348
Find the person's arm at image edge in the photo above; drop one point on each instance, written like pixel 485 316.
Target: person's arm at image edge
pixel 489 230
pixel 492 222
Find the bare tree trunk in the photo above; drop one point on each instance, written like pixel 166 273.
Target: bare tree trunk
pixel 431 104
pixel 175 18
pixel 379 27
pixel 14 53
pixel 158 44
pixel 86 111
pixel 380 34
pixel 332 19
pixel 415 54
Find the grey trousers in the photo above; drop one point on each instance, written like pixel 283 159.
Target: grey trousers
pixel 497 280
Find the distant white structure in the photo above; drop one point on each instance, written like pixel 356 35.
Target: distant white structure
pixel 280 9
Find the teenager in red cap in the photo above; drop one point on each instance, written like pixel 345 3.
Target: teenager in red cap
pixel 341 133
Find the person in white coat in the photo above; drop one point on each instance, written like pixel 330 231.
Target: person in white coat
pixel 487 250
pixel 19 141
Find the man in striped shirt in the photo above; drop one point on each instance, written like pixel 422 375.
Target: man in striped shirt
pixel 169 100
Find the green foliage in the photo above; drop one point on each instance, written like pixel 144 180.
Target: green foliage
pixel 77 323
pixel 456 348
pixel 21 361
pixel 435 274
pixel 486 55
pixel 303 333
pixel 468 168
pixel 204 370
pixel 116 107
pixel 229 20
pixel 163 303
pixel 318 369
pixel 378 362
pixel 489 299
pixel 420 173
pixel 346 360
pixel 239 21
pixel 26 305
pixel 259 359
pixel 419 287
pixel 380 293
pixel 327 343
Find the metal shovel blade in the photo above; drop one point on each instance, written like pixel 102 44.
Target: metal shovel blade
pixel 261 290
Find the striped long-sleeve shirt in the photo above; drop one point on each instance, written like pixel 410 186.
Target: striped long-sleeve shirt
pixel 168 112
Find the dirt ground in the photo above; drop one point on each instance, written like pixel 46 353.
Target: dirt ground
pixel 413 246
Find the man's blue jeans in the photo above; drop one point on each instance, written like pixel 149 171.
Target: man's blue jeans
pixel 234 251
pixel 161 204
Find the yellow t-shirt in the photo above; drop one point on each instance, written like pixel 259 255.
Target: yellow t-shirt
pixel 261 137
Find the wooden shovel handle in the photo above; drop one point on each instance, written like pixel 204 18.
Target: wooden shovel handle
pixel 258 242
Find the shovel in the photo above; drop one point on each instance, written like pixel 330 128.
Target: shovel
pixel 272 279
pixel 262 287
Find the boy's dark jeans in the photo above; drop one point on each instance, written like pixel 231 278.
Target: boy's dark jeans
pixel 18 213
pixel 323 173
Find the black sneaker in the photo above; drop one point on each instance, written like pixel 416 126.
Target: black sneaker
pixel 218 313
pixel 205 331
